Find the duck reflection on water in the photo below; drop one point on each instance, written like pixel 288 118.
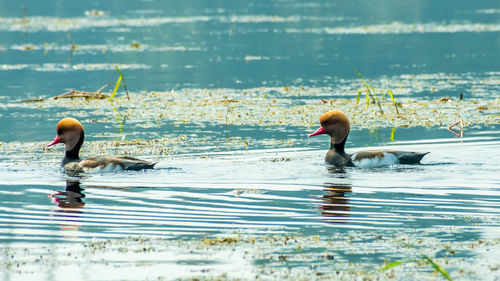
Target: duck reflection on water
pixel 71 198
pixel 335 206
pixel 70 204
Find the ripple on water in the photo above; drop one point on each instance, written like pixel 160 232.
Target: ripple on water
pixel 218 194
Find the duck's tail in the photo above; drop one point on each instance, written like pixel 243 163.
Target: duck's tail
pixel 412 158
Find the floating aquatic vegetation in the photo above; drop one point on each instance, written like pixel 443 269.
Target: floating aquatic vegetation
pixel 225 240
pixel 273 107
pixel 259 19
pixel 54 24
pixel 101 20
pixel 155 149
pixel 7 67
pixel 264 108
pixel 423 258
pixel 337 256
pixel 64 67
pixel 95 13
pixel 25 47
pixel 402 28
pixel 488 11
pixel 103 48
pixel 135 45
pixel 249 58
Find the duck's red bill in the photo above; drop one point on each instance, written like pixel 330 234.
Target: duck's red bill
pixel 55 141
pixel 319 131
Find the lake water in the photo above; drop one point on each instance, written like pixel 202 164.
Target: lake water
pixel 223 96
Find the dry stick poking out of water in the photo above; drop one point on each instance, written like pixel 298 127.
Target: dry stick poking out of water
pixel 90 95
pixel 457 134
pixel 82 94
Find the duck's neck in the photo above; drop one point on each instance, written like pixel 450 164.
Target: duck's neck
pixel 338 147
pixel 73 154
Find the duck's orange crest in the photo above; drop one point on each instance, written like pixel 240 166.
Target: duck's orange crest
pixel 69 124
pixel 334 116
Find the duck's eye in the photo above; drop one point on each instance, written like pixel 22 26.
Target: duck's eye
pixel 326 123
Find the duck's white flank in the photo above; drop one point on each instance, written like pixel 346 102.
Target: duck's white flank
pixel 373 162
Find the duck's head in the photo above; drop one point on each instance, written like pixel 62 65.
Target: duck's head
pixel 69 132
pixel 335 124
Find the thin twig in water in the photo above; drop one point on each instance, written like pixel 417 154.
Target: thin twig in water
pixel 457 134
pixel 81 94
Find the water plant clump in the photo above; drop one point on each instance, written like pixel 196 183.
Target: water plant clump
pixel 371 94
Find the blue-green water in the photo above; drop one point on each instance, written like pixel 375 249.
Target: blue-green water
pixel 276 183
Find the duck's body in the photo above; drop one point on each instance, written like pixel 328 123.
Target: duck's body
pixel 70 132
pixel 336 125
pixel 373 158
pixel 105 164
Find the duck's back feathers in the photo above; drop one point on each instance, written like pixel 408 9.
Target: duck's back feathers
pixel 105 164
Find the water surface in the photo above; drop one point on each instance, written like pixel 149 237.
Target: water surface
pixel 233 160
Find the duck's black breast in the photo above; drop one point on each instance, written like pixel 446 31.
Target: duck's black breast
pixel 339 159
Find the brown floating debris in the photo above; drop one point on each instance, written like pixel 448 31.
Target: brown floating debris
pixel 73 94
pixel 81 94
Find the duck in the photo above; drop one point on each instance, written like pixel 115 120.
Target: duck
pixel 70 132
pixel 336 124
